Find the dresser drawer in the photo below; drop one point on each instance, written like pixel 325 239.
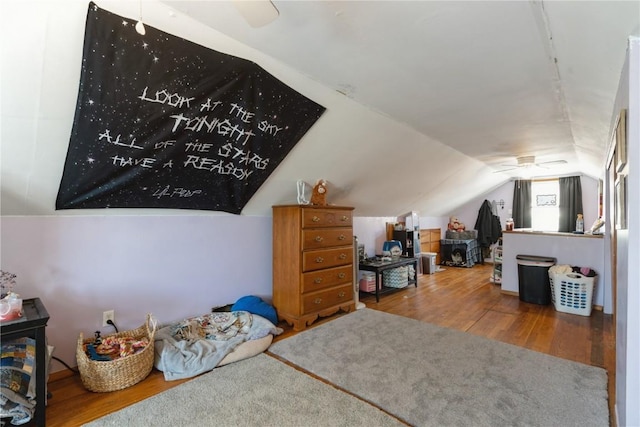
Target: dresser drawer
pixel 318 301
pixel 312 218
pixel 326 237
pixel 326 258
pixel 321 279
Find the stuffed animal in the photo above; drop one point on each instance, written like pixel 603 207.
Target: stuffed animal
pixel 455 224
pixel 319 193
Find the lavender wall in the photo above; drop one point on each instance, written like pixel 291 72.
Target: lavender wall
pixel 171 266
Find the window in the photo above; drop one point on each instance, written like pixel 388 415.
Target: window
pixel 545 203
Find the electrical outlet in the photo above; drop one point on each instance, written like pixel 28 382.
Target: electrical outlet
pixel 108 315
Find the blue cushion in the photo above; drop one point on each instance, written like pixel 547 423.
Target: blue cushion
pixel 255 305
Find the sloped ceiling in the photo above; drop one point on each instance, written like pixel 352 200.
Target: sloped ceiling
pixel 493 80
pixel 426 101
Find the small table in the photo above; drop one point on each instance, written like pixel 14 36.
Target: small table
pixel 32 325
pixel 379 266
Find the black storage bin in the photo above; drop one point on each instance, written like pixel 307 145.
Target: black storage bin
pixel 533 278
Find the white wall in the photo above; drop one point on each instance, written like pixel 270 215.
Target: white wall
pixel 628 251
pixel 633 267
pixel 570 250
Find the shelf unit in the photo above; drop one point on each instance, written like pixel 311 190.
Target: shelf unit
pixel 410 241
pixel 496 277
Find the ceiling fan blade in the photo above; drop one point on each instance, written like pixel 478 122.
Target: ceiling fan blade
pixel 506 170
pixel 257 13
pixel 552 162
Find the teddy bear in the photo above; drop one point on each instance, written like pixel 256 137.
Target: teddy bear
pixel 319 193
pixel 455 224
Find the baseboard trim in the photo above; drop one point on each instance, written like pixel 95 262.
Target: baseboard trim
pixel 59 375
pixel 516 294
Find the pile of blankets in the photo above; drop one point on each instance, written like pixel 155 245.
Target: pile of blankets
pixel 566 269
pixel 198 344
pixel 17 380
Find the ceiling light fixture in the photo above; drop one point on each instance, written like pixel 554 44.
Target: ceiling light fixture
pixel 257 13
pixel 139 25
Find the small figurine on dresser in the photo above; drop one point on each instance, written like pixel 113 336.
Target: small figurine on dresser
pixel 319 194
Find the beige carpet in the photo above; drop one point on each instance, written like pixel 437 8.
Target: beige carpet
pixel 432 376
pixel 386 370
pixel 260 391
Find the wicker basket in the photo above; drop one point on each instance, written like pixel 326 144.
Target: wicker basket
pixel 102 376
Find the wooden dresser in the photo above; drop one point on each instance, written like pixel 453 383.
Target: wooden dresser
pixel 312 262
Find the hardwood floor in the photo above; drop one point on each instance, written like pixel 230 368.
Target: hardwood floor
pixel 459 298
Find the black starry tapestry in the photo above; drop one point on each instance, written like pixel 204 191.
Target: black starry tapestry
pixel 162 122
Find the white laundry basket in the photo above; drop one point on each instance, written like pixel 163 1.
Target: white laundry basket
pixel 572 292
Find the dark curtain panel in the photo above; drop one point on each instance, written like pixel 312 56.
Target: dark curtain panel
pixel 522 203
pixel 570 202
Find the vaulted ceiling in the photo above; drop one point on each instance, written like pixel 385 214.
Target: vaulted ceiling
pixel 427 101
pixel 494 80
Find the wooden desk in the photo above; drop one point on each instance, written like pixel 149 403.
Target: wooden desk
pixel 32 325
pixel 379 266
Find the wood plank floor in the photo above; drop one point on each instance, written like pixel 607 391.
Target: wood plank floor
pixel 459 298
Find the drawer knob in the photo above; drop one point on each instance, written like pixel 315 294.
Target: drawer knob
pixel 341 294
pixel 318 280
pixel 343 256
pixel 317 301
pixel 342 237
pixel 342 276
pixel 319 260
pixel 344 218
pixel 315 219
pixel 319 239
